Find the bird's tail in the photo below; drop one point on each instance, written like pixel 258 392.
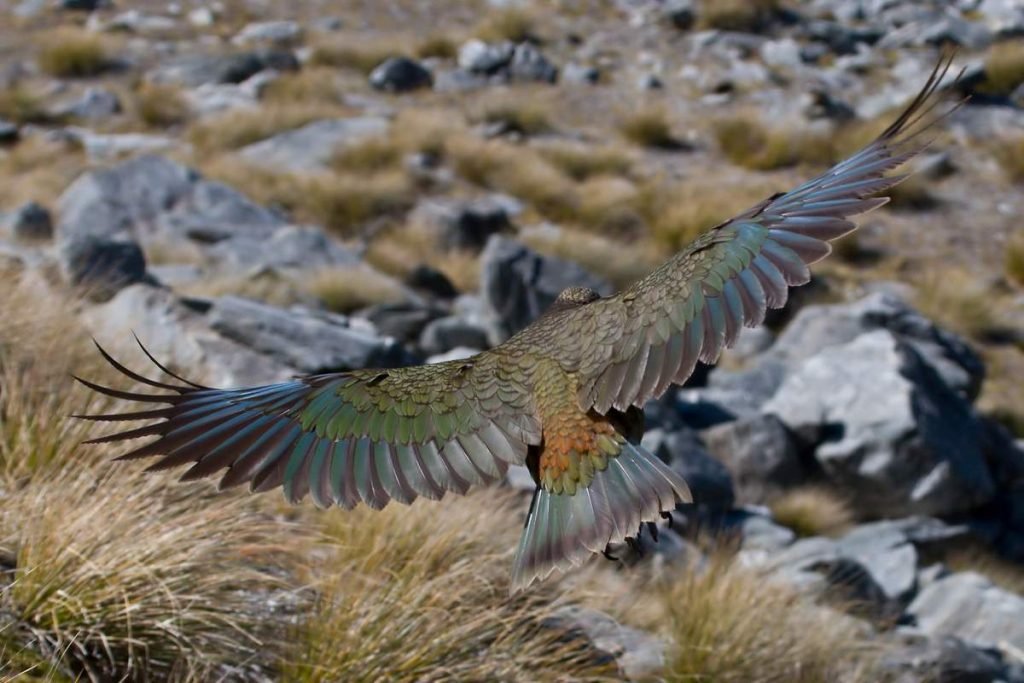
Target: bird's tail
pixel 563 529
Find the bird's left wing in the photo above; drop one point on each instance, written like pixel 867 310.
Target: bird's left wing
pixel 364 435
pixel 694 305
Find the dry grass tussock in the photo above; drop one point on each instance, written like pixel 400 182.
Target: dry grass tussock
pixel 1014 259
pixel 38 169
pixel 748 142
pixel 421 593
pixel 813 511
pixel 161 106
pixel 1004 573
pixel 648 127
pixel 619 262
pixel 69 52
pixel 362 55
pixel 22 105
pixel 398 250
pixel 511 23
pixel 1004 67
pixel 736 15
pixel 310 86
pixel 341 202
pixel 241 127
pixel 726 623
pixel 954 298
pixel 582 162
pixel 1010 155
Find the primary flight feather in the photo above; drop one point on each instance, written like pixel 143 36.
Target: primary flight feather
pixel 562 397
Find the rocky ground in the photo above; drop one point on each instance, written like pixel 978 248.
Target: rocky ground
pixel 258 189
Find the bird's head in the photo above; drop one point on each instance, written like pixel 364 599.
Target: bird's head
pixel 577 296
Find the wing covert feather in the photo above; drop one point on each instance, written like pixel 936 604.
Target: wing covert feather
pixel 364 435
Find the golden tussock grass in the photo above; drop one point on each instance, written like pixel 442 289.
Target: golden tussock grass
pixel 747 142
pixel 437 45
pixel 813 511
pixel 369 155
pixel 1014 259
pixel 726 623
pixel 512 23
pixel 421 593
pixel 648 127
pixel 1002 572
pixel 1010 155
pixel 38 169
pixel 161 106
pixel 241 127
pixel 21 105
pixel 398 250
pixel 311 85
pixel 1002 394
pixel 621 263
pixel 361 55
pixel 516 114
pixel 581 162
pixel 268 287
pixel 955 299
pixel 344 290
pixel 341 202
pixel 680 212
pixel 735 15
pixel 1004 67
pixel 73 53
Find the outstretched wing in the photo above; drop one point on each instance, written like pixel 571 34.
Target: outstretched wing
pixel 369 435
pixel 694 305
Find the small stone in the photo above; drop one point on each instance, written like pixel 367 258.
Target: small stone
pixel 400 74
pixel 30 222
pixel 276 32
pixel 95 104
pixel 8 132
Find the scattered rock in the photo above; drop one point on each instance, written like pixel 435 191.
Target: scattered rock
pixel 30 222
pixel 311 146
pixel 638 653
pixel 681 14
pixel 759 452
pixel 8 132
pixel 95 104
pixel 945 659
pixel 528 64
pixel 708 479
pixel 465 224
pixel 400 74
pixel 478 57
pixel 309 341
pixel 101 267
pixel 891 433
pixel 967 605
pixel 444 334
pixel 194 70
pixel 276 32
pixel 517 284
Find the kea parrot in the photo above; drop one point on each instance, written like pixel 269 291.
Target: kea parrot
pixel 562 397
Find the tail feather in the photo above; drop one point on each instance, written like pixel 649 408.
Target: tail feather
pixel 562 530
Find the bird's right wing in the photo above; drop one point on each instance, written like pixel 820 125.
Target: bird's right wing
pixel 651 335
pixel 364 435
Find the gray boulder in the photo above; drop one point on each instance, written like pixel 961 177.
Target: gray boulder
pixel 175 332
pixel 101 267
pixel 913 656
pixel 30 222
pixel 529 64
pixel 821 326
pixel 309 341
pixel 969 606
pixel 759 452
pixel 8 132
pixel 465 224
pixel 288 247
pixel 194 70
pixel 708 479
pixel 444 334
pixel 311 146
pixel 94 104
pixel 478 57
pixel 517 284
pixel 639 654
pixel 277 32
pixel 400 74
pixel 892 433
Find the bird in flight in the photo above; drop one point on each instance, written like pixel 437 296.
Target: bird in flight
pixel 563 396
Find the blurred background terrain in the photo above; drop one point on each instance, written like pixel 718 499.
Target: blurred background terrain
pixel 260 189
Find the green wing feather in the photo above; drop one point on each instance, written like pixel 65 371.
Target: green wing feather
pixel 365 435
pixel 635 344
